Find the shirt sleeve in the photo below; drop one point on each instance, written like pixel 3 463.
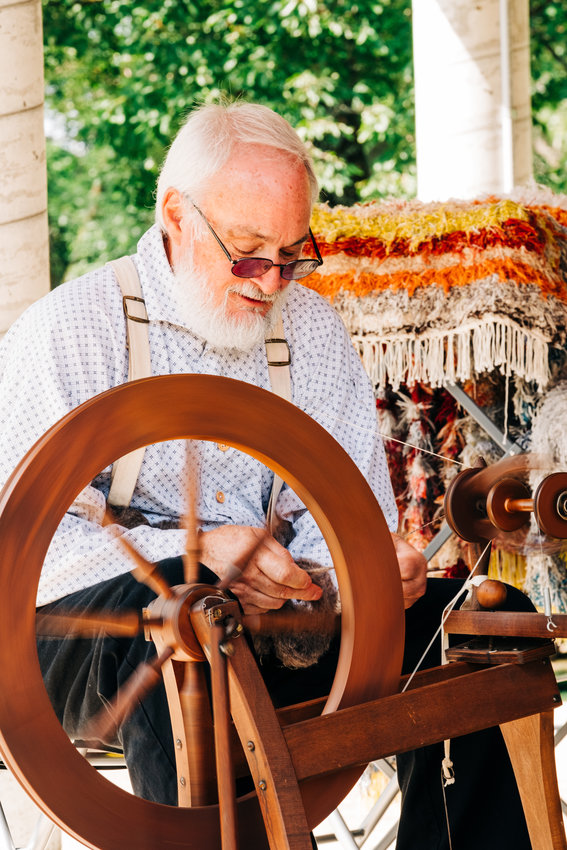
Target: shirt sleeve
pixel 43 376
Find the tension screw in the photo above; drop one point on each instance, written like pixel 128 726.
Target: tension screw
pixel 178 743
pixel 182 781
pixel 262 784
pixel 251 746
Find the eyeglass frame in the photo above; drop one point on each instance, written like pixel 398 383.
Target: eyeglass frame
pixel 281 266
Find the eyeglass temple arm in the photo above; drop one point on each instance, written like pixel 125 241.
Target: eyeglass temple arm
pixel 317 252
pixel 214 234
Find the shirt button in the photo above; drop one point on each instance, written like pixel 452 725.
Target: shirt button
pixel 220 496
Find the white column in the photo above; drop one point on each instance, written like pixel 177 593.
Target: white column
pixel 472 92
pixel 24 241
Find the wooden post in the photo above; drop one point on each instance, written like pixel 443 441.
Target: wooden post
pixel 24 242
pixel 472 93
pixel 530 746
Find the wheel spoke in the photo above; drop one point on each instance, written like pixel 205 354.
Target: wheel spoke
pixel 81 624
pixel 140 683
pixel 288 621
pixel 145 571
pixel 192 546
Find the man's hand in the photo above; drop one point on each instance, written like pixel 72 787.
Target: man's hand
pixel 271 575
pixel 413 569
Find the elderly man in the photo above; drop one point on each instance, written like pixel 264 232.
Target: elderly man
pixel 217 275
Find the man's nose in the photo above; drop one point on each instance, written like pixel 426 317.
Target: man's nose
pixel 271 281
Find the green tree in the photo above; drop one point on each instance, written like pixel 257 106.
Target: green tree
pixel 548 22
pixel 125 75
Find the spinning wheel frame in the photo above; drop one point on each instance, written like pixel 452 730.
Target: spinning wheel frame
pixel 35 499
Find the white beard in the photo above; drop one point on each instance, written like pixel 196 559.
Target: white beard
pixel 213 323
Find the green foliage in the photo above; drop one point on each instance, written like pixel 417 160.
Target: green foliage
pixel 125 75
pixel 548 21
pixel 93 209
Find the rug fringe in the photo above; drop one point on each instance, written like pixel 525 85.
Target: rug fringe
pixel 437 358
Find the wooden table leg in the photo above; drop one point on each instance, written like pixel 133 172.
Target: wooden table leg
pixel 531 750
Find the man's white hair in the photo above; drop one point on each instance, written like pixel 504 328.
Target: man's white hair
pixel 205 142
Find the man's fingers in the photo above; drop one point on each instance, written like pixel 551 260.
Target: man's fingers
pixel 413 570
pixel 412 590
pixel 277 581
pixel 269 574
pixel 262 595
pixel 253 601
pixel 278 565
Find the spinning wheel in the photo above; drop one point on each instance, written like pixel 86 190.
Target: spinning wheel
pixel 32 504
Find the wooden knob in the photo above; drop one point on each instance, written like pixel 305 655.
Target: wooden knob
pixel 491 593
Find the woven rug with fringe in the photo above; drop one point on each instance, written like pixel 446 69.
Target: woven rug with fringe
pixel 442 292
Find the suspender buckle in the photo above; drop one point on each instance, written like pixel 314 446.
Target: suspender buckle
pixel 142 314
pixel 283 353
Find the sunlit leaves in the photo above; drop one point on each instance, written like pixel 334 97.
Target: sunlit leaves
pixel 548 23
pixel 124 74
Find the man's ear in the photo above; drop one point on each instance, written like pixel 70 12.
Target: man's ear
pixel 173 210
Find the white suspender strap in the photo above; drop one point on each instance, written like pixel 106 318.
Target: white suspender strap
pixel 126 469
pixel 279 359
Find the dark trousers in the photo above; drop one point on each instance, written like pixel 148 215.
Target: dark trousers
pixel 483 806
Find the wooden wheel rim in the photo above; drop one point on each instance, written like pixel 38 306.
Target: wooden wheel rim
pixel 40 491
pixel 546 507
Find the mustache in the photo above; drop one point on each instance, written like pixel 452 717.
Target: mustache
pixel 248 290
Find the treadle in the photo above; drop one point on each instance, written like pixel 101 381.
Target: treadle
pixel 501 650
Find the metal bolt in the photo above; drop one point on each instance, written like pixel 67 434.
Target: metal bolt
pixel 262 784
pixel 182 781
pixel 251 746
pixel 216 613
pixel 556 698
pixel 227 649
pixel 178 743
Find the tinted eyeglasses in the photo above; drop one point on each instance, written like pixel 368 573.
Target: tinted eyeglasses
pixel 257 266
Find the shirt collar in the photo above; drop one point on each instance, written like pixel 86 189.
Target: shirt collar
pixel 156 278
